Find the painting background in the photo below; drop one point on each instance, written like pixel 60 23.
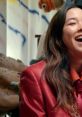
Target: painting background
pixel 20 22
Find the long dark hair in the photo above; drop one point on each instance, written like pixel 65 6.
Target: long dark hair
pixel 57 68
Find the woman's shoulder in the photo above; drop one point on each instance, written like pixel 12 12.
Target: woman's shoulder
pixel 35 69
pixel 38 65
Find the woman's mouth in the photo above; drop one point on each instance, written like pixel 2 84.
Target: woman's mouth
pixel 79 38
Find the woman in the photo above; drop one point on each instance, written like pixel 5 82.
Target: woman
pixel 53 86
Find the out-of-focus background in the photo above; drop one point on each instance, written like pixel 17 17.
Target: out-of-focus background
pixel 22 22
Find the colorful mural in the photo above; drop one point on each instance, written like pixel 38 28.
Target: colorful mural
pixel 21 22
pixel 24 21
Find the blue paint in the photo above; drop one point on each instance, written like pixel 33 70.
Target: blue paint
pixel 3 19
pixel 45 18
pixel 18 32
pixel 33 11
pixel 14 30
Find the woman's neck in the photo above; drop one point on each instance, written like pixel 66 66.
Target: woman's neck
pixel 76 64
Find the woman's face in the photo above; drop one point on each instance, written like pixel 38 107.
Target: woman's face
pixel 72 31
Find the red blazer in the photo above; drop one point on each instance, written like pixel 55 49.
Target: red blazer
pixel 37 99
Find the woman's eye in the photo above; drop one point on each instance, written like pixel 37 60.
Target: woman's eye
pixel 71 23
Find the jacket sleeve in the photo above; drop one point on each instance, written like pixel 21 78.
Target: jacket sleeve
pixel 31 100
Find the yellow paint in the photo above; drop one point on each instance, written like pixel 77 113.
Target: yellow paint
pixel 12 1
pixel 26 1
pixel 15 1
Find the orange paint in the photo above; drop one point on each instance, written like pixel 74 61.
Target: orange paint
pixel 47 5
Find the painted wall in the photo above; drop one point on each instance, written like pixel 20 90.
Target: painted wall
pixel 3 26
pixel 24 21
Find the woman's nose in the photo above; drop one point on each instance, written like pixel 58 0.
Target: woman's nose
pixel 80 26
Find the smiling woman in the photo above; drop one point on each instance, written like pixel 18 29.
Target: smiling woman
pixel 72 34
pixel 53 86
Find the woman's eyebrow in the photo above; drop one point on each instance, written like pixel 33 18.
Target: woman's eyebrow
pixel 67 20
